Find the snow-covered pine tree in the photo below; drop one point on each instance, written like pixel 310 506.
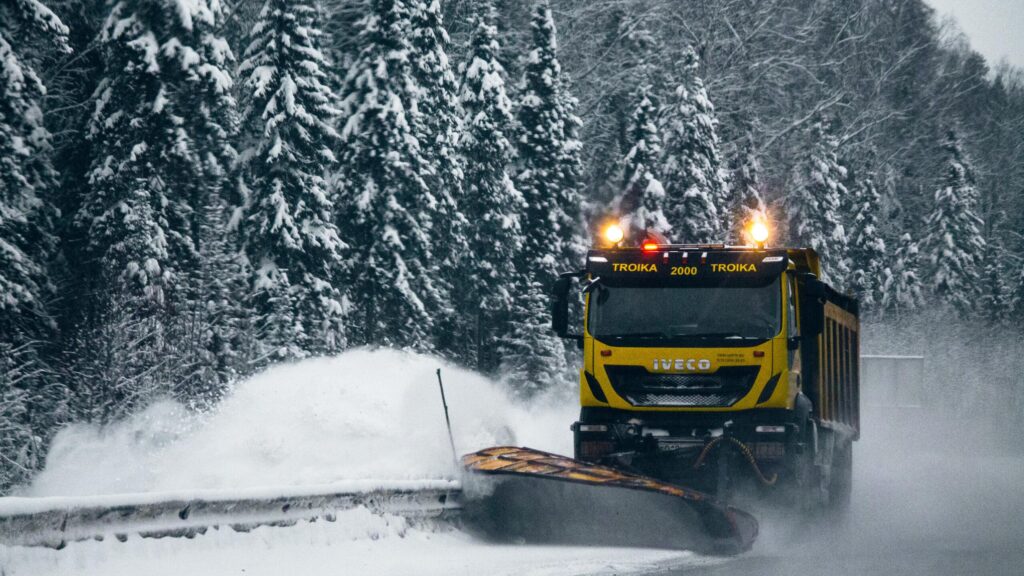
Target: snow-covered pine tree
pixel 746 203
pixel 214 284
pixel 953 245
pixel 440 121
pixel 533 358
pixel 815 205
pixel 549 157
pixel 285 217
pixel 27 176
pixel 218 321
pixel 996 303
pixel 691 165
pixel 386 207
pixel 160 131
pixel 997 292
pixel 1016 283
pixel 439 129
pixel 488 286
pixel 32 399
pixel 643 199
pixel 867 246
pixel 901 283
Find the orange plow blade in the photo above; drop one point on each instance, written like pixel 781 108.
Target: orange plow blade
pixel 525 495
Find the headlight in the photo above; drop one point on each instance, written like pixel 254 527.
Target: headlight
pixel 614 234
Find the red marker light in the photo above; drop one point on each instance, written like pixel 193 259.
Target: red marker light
pixel 606 352
pixel 650 246
pixel 758 353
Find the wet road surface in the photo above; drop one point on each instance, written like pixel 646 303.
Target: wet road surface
pixel 921 508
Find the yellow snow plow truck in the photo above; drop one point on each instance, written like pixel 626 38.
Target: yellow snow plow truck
pixel 732 370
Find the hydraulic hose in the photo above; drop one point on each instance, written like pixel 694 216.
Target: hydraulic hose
pixel 745 450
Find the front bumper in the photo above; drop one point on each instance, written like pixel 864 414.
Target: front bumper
pixel 667 445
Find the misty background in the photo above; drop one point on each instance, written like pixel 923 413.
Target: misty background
pixel 991 26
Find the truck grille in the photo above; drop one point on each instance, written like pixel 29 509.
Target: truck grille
pixel 642 388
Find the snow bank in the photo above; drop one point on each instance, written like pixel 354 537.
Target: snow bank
pixel 363 415
pixel 359 542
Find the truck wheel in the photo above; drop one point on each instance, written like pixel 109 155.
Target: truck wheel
pixel 841 488
pixel 801 486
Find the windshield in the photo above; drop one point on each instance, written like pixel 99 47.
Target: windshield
pixel 675 313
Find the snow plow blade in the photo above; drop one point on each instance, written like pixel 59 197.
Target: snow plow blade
pixel 525 495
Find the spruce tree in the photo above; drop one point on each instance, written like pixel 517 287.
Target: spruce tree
pixel 386 207
pixel 440 119
pixel 692 165
pixel 997 290
pixel 533 357
pixel 210 302
pixel 643 198
pixel 746 203
pixel 814 208
pixel 867 247
pixel 27 176
pixel 487 287
pixel 901 283
pixel 549 157
pixel 286 211
pixel 30 397
pixel 549 174
pixel 953 245
pixel 219 320
pixel 33 399
pixel 439 129
pixel 1016 283
pixel 160 131
pixel 996 302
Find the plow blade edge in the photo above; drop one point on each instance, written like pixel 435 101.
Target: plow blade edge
pixel 520 494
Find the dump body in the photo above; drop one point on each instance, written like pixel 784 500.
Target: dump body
pixel 711 364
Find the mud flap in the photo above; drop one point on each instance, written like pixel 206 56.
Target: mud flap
pixel 525 495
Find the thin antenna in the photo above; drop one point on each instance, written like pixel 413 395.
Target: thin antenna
pixel 446 419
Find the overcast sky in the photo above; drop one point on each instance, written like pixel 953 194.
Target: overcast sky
pixel 995 27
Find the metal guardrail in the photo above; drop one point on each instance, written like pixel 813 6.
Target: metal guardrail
pixel 55 522
pixel 892 381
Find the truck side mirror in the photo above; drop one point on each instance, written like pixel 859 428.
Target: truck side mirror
pixel 812 308
pixel 560 306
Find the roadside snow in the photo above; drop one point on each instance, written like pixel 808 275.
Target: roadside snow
pixel 357 543
pixel 363 415
pixel 361 419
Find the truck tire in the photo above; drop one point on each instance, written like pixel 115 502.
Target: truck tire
pixel 841 489
pixel 801 484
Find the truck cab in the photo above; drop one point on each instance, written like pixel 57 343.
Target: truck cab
pixel 715 365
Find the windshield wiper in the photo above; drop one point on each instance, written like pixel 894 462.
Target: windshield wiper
pixel 707 335
pixel 640 335
pixel 667 336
